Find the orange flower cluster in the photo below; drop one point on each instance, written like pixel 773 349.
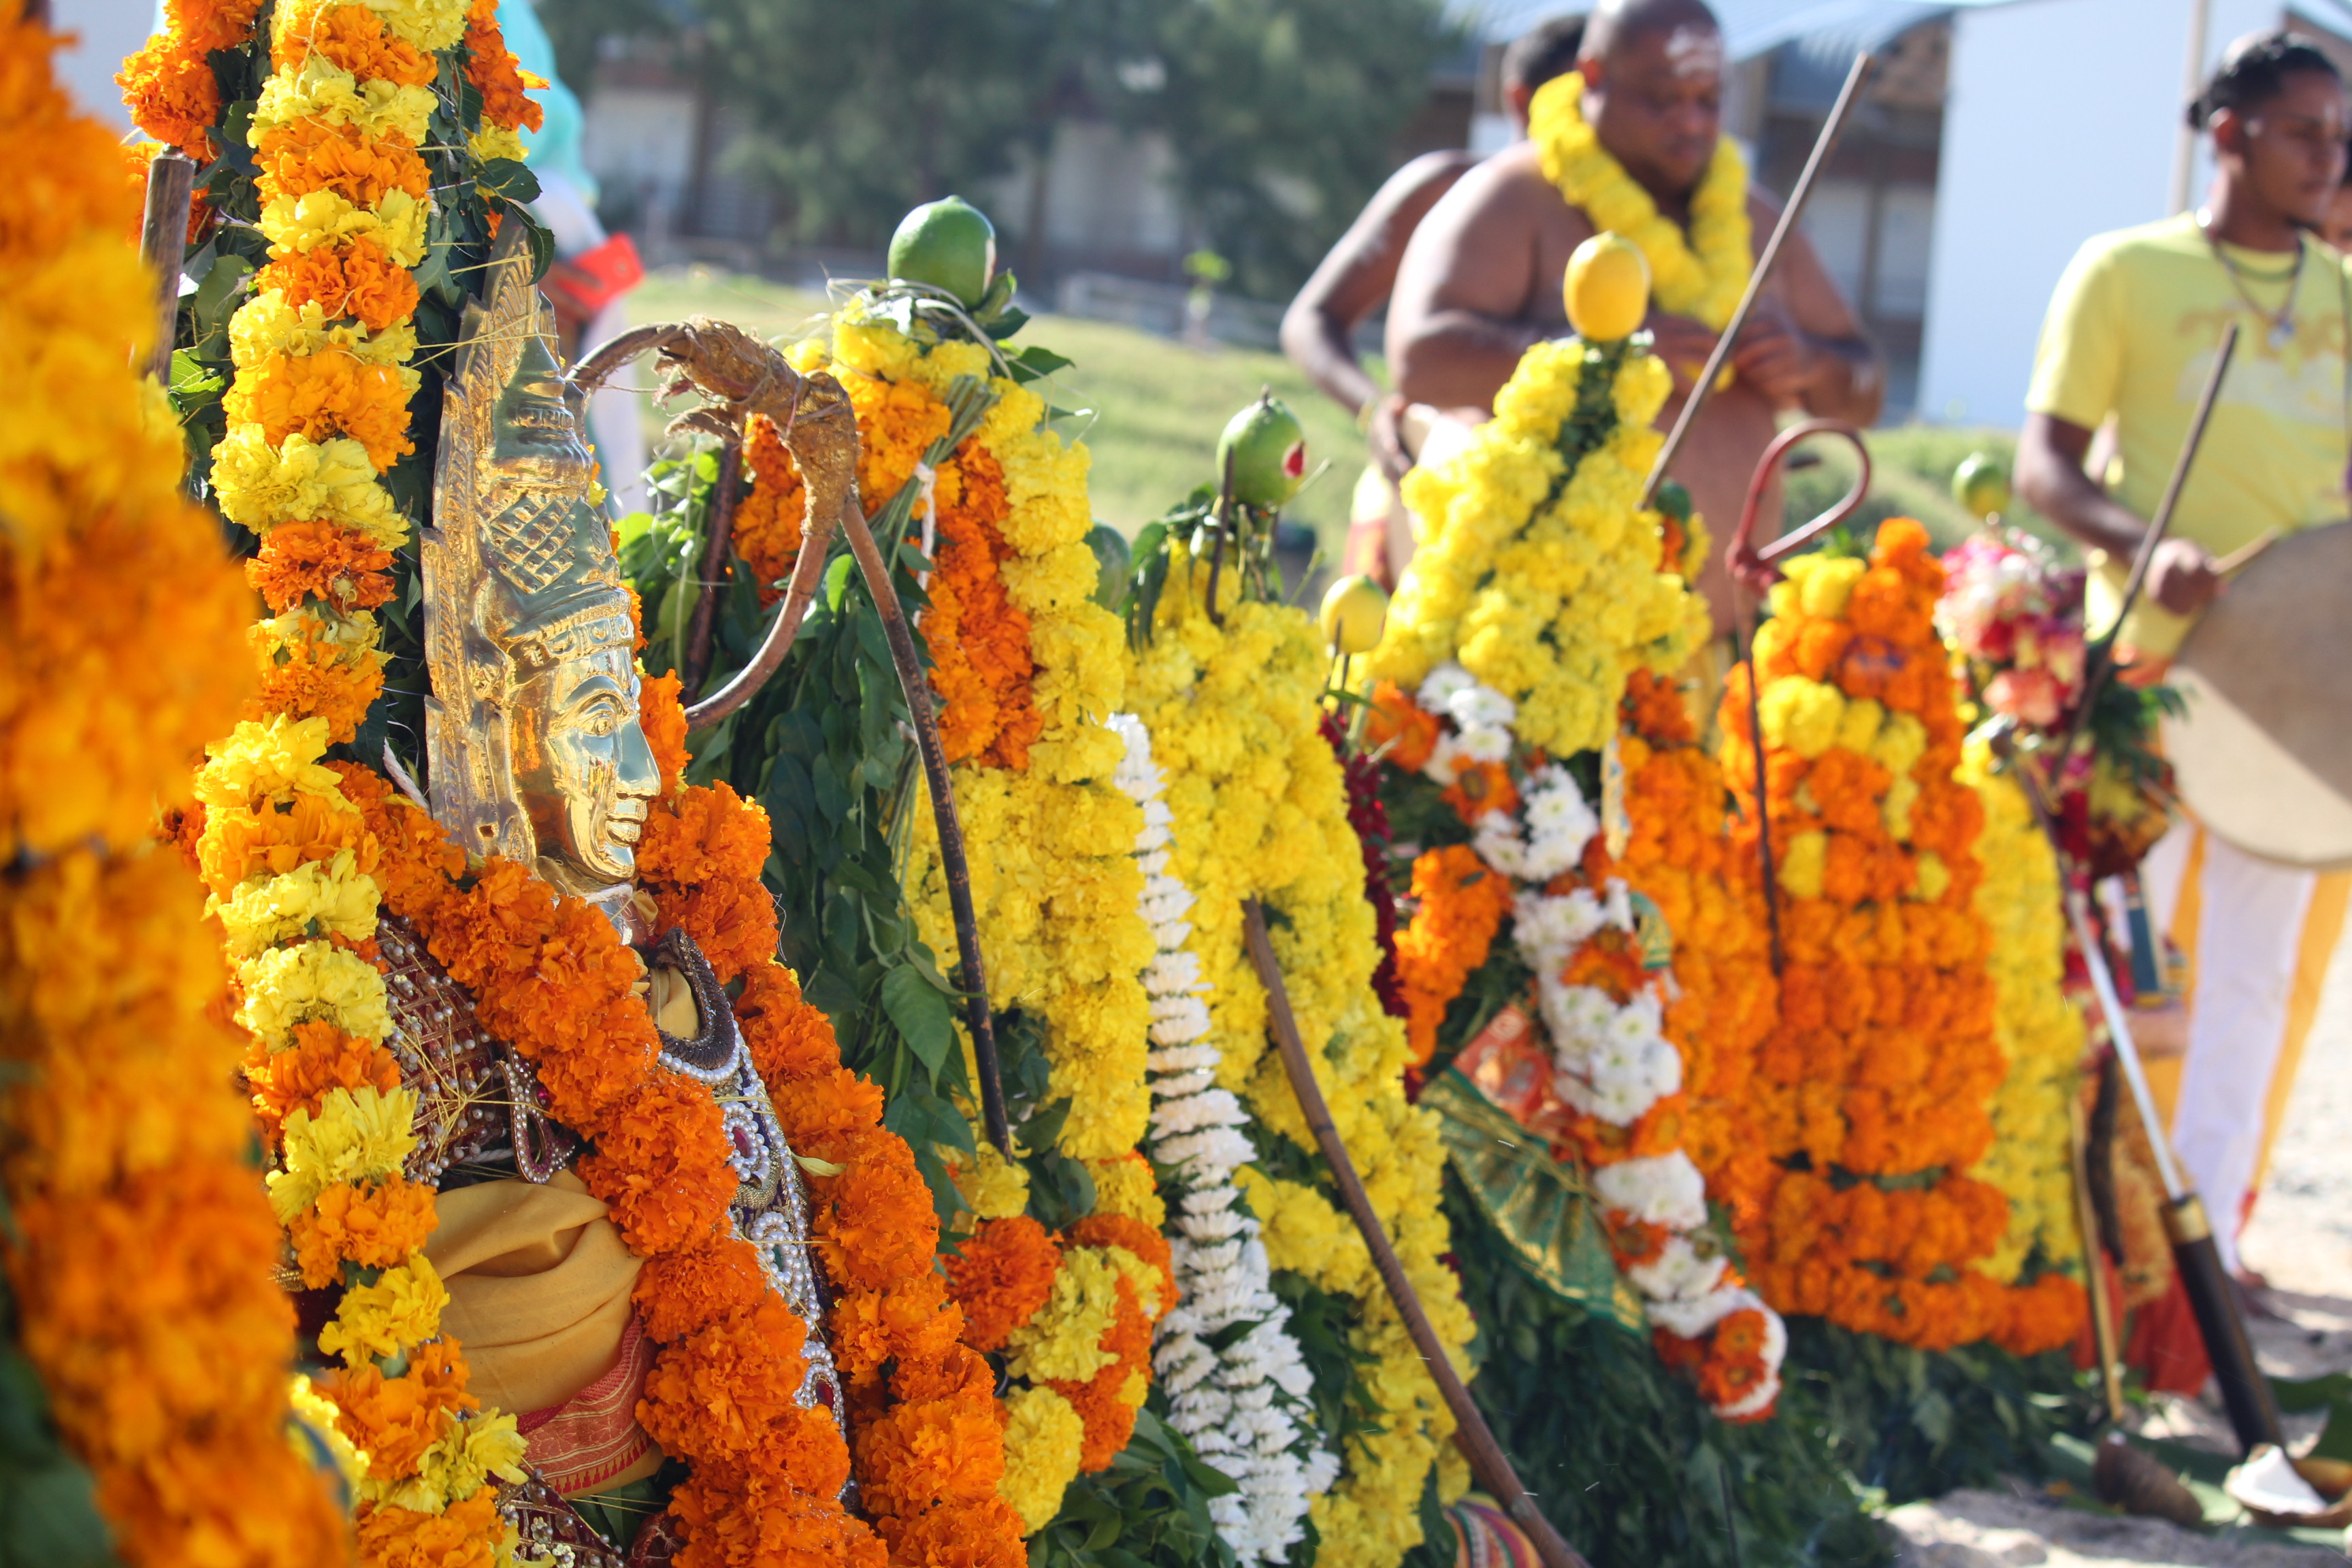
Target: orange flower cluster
pixel 1103 1402
pixel 1399 731
pixel 139 1247
pixel 929 1443
pixel 896 423
pixel 982 668
pixel 766 527
pixel 1458 908
pixel 1879 1076
pixel 169 85
pixel 495 72
pixel 1000 1277
pixel 1005 1277
pixel 1676 854
pixel 978 639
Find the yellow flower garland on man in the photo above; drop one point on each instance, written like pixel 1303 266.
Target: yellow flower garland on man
pixel 1701 276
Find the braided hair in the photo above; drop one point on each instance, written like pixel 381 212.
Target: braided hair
pixel 2253 71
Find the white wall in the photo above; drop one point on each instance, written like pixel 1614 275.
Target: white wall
pixel 108 30
pixel 2061 124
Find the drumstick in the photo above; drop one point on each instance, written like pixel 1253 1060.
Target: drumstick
pixel 2101 660
pixel 1471 1434
pixel 1823 144
pixel 2245 554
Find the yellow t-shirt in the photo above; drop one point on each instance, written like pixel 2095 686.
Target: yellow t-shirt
pixel 2132 333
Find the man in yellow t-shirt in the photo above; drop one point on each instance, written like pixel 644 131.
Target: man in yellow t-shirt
pixel 2130 338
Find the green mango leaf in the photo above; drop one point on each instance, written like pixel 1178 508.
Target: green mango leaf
pixel 920 1011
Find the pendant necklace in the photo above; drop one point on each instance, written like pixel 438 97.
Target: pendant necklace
pixel 2281 320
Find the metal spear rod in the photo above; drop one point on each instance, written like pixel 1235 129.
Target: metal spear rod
pixel 2102 662
pixel 1823 145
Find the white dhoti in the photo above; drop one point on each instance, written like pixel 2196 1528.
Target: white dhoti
pixel 2258 937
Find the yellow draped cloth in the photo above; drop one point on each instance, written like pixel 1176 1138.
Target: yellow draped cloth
pixel 539 1287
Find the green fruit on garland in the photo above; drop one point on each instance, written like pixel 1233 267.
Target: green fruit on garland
pixel 1268 452
pixel 1981 485
pixel 949 244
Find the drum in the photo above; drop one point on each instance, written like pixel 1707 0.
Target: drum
pixel 2263 758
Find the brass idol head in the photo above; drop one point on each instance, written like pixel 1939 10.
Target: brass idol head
pixel 536 750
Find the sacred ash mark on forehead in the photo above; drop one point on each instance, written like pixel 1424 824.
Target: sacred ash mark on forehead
pixel 1695 51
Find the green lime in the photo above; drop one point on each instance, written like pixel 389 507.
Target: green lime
pixel 1113 565
pixel 1981 485
pixel 949 244
pixel 1268 452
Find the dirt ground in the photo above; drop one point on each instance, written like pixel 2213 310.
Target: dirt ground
pixel 2301 1241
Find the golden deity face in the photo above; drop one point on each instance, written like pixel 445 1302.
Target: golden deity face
pixel 536 750
pixel 582 769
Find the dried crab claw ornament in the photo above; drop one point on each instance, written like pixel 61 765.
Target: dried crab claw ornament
pixel 739 375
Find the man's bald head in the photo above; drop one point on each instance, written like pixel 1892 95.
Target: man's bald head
pixel 1616 22
pixel 1654 88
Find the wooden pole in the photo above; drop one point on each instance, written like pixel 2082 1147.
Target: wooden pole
pixel 2103 1305
pixel 1823 145
pixel 726 495
pixel 978 1019
pixel 1471 1433
pixel 162 246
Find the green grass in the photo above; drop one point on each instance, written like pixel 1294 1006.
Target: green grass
pixel 1157 404
pixel 1157 407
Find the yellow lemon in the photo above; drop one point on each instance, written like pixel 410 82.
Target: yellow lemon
pixel 1354 611
pixel 1607 289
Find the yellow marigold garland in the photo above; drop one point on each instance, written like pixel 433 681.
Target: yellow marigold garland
pixel 1261 811
pixel 1702 275
pixel 2039 1032
pixel 128 1178
pixel 1541 582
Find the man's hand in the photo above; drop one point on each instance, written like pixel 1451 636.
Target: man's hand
pixel 1387 439
pixel 1683 343
pixel 1776 359
pixel 2181 578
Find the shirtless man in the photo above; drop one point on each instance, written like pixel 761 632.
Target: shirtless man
pixel 1354 280
pixel 1481 280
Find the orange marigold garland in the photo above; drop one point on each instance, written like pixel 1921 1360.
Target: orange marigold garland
pixel 1459 905
pixel 1880 1071
pixel 138 1247
pixel 917 1394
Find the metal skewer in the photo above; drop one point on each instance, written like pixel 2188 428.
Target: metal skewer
pixel 1823 145
pixel 1476 1440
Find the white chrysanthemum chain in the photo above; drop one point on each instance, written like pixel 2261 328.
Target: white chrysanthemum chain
pixel 1612 1060
pixel 1245 1408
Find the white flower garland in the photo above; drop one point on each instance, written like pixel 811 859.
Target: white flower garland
pixel 1611 1061
pixel 1245 1408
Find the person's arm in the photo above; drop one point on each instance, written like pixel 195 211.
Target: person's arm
pixel 2052 480
pixel 1457 326
pixel 1318 330
pixel 1804 347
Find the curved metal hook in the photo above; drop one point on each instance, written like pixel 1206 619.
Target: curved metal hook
pixel 1754 567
